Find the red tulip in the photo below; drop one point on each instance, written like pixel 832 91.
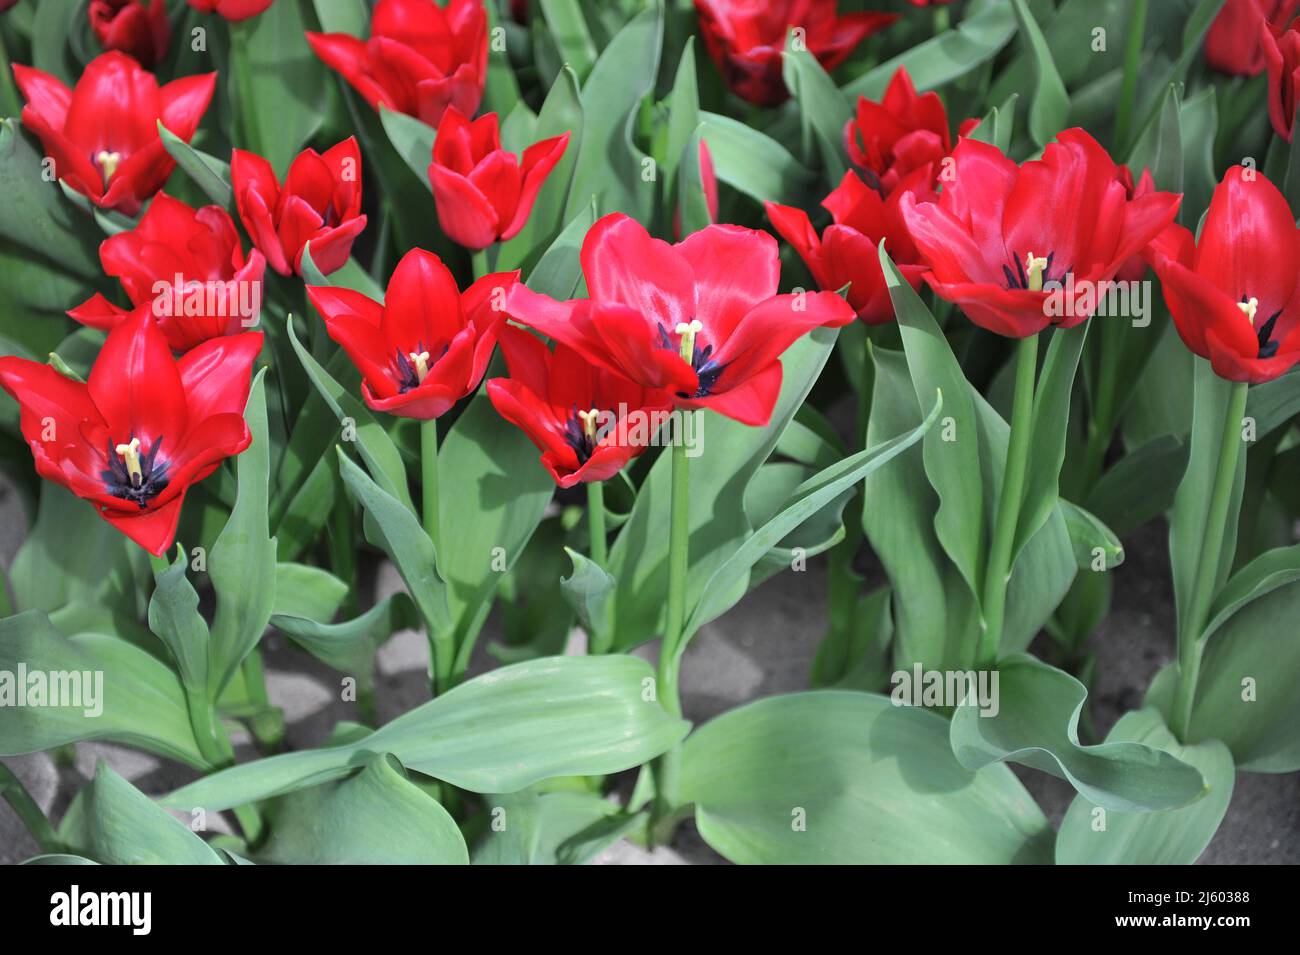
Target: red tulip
pixel 745 39
pixel 138 28
pixel 189 265
pixel 6 4
pixel 428 345
pixel 846 253
pixel 483 194
pixel 420 58
pixel 233 10
pixel 587 421
pixel 711 296
pixel 143 428
pixel 320 203
pixel 1234 294
pixel 999 235
pixel 1234 42
pixel 103 135
pixel 1135 269
pixel 1282 56
pixel 903 132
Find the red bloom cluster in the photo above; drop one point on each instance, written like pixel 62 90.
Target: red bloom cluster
pixel 745 38
pixel 420 58
pixel 103 135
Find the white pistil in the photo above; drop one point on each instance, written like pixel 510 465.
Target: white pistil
pixel 589 421
pixel 421 362
pixel 130 453
pixel 1249 308
pixel 1035 266
pixel 688 331
pixel 107 163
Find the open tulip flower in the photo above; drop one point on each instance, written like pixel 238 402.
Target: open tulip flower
pixel 483 193
pixel 745 38
pixel 189 264
pixel 700 318
pixel 103 134
pixel 139 28
pixel 845 254
pixel 587 421
pixel 233 10
pixel 904 132
pixel 1001 238
pixel 1233 293
pixel 142 428
pixel 320 202
pixel 428 345
pixel 420 58
pixel 1281 47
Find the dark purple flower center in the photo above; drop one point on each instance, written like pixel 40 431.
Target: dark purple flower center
pixel 707 370
pixel 133 476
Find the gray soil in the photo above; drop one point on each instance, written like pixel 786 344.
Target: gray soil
pixel 764 646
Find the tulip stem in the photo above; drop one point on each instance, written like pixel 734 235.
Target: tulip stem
pixel 1190 645
pixel 441 651
pixel 596 522
pixel 998 573
pixel 667 767
pixel 479 261
pixel 28 812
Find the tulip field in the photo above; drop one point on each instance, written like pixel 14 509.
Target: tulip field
pixel 539 344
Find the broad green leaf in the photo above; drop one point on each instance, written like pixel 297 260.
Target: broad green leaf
pixel 241 564
pixel 683 106
pixel 566 827
pixel 588 590
pixel 500 732
pixel 349 646
pixel 823 109
pixel 1088 535
pixel 141 703
pixel 857 657
pixel 305 591
pixel 174 617
pixel 998 124
pixel 843 777
pixel 209 173
pixel 377 817
pixel 1093 836
pixel 754 164
pixel 412 139
pixel 1050 104
pixel 559 271
pixel 343 16
pixel 573 40
pixel 1140 485
pixel 1032 718
pixel 1270 570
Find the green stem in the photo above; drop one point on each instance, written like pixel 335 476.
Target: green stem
pixel 596 522
pixel 267 724
pixel 1128 89
pixel 1101 424
pixel 441 651
pixel 22 803
pixel 479 261
pixel 998 571
pixel 1207 567
pixel 668 766
pixel 10 104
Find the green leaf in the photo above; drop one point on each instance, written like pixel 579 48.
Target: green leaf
pixel 349 646
pixel 142 702
pixel 343 16
pixel 553 828
pixel 856 657
pixel 588 590
pixel 372 441
pixel 573 40
pixel 209 173
pixel 119 825
pixel 1089 535
pixel 413 141
pixel 305 591
pixel 377 817
pixel 1032 718
pixel 998 124
pixel 1140 486
pixel 1049 106
pixel 823 109
pixel 500 732
pixel 1160 147
pixel 241 564
pixel 1090 836
pixel 174 617
pixel 559 271
pixel 405 541
pixel 752 163
pixel 844 777
pixel 812 496
pixel 1274 403
pixel 1270 570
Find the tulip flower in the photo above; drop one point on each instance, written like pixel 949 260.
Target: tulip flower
pixel 1136 267
pixel 1234 43
pixel 103 135
pixel 745 39
pixel 1282 57
pixel 138 28
pixel 142 428
pixel 700 318
pixel 320 202
pixel 846 253
pixel 1000 239
pixel 428 345
pixel 420 58
pixel 482 193
pixel 587 421
pixel 903 132
pixel 233 10
pixel 189 265
pixel 1233 293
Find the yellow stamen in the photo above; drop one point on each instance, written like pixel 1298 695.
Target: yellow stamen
pixel 1249 308
pixel 421 362
pixel 589 421
pixel 107 163
pixel 688 331
pixel 1034 269
pixel 130 453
